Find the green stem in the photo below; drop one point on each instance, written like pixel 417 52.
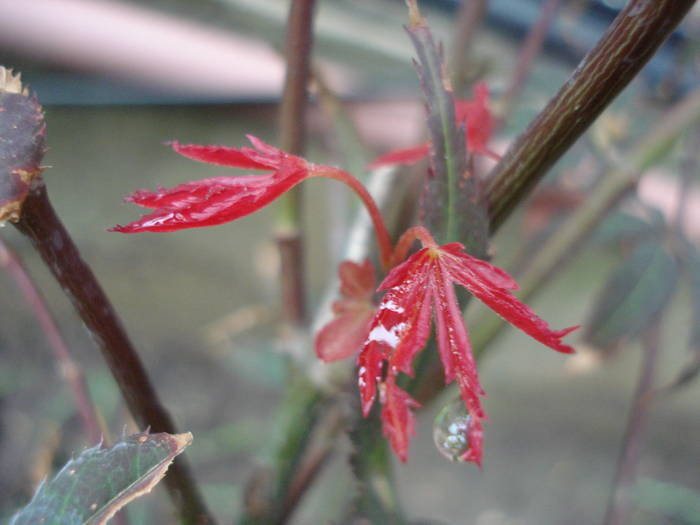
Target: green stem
pixel 639 29
pixel 377 499
pixel 269 502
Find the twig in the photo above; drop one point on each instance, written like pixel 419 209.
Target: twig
pixel 40 224
pixel 70 371
pixel 292 132
pixel 627 462
pixel 528 53
pixel 639 29
pixel 470 15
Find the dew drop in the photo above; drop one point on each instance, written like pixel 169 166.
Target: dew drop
pixel 450 430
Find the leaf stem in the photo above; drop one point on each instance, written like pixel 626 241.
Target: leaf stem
pixel 42 226
pixel 635 34
pixel 403 245
pixel 383 237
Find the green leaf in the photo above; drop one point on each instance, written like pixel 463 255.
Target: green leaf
pixel 635 293
pixel 91 488
pixel 21 144
pixel 453 209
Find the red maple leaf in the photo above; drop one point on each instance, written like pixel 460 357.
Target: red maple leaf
pixel 209 202
pixel 343 336
pixel 473 113
pixel 422 284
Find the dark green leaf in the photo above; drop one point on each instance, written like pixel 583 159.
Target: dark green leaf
pixel 91 488
pixel 634 294
pixel 21 144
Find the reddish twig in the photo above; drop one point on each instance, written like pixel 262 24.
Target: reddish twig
pixel 69 369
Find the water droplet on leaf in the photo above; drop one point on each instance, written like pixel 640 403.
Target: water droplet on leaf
pixel 450 430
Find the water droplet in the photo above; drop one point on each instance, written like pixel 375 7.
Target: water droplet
pixel 450 430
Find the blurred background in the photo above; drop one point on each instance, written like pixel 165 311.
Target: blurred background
pixel 118 79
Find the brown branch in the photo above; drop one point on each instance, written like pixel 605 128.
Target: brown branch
pixel 292 132
pixel 637 32
pixel 42 226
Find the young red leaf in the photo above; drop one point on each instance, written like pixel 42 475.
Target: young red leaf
pixel 343 336
pixel 479 122
pixel 218 200
pixel 473 113
pixel 400 328
pixel 407 156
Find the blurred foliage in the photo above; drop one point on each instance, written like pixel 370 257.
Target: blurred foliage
pixel 670 500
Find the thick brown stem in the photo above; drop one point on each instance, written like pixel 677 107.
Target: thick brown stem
pixel 639 29
pixel 40 223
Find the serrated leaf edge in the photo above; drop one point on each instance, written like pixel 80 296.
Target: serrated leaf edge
pixel 150 480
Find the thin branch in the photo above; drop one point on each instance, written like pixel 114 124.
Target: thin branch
pixel 531 48
pixel 292 132
pixel 470 15
pixel 639 29
pixel 618 505
pixel 42 226
pixel 70 371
